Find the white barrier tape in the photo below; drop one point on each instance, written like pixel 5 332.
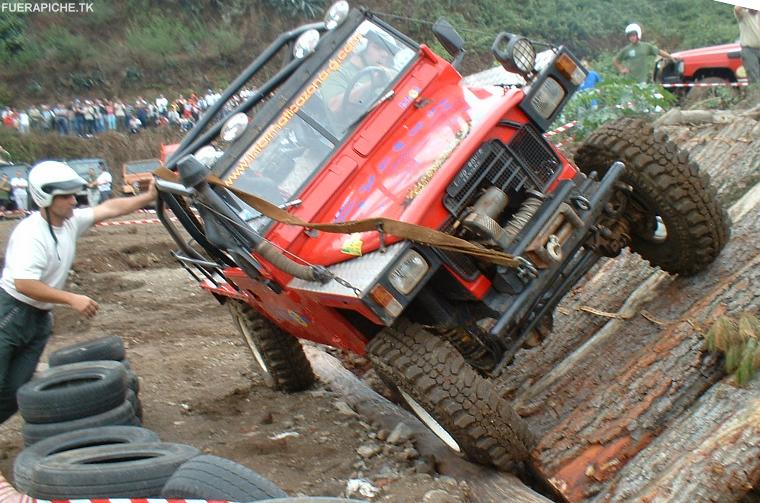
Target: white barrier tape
pixel 128 222
pixel 708 84
pixel 560 129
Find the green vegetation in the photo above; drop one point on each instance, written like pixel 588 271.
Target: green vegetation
pixel 125 47
pixel 739 341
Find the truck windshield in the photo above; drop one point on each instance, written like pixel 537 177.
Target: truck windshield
pixel 357 75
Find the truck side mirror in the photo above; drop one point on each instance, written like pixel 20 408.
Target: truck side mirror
pixel 450 40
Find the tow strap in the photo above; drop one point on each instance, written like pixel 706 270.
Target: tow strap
pixel 385 226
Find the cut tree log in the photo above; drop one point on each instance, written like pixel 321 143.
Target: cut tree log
pixel 638 377
pixel 486 484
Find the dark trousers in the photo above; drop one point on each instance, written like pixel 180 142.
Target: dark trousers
pixel 24 331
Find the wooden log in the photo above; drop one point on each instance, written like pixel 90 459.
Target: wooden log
pixel 617 394
pixel 486 484
pixel 689 461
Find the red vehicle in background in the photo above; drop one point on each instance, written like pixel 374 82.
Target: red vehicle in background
pixel 364 197
pixel 717 64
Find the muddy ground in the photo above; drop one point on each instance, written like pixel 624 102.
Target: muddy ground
pixel 200 385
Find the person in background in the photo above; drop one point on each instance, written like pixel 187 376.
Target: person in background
pixel 636 59
pixel 592 77
pixel 104 181
pixel 38 258
pixel 93 193
pixel 749 39
pixel 20 185
pixel 5 193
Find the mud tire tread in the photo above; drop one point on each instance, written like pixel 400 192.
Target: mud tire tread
pixel 467 405
pixel 289 369
pixel 698 226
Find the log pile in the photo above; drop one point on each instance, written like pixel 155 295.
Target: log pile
pixel 626 401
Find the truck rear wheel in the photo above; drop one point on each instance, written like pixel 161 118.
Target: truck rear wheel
pixel 676 220
pixel 279 355
pixel 463 409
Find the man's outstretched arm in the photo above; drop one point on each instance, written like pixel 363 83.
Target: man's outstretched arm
pixel 124 205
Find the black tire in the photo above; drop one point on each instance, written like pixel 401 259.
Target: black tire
pixel 72 391
pixel 133 382
pixel 665 184
pixel 432 376
pixel 697 95
pixel 26 461
pixel 104 348
pixel 109 471
pixel 136 404
pixel 123 415
pixel 215 478
pixel 279 355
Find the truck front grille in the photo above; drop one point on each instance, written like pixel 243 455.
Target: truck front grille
pixel 528 162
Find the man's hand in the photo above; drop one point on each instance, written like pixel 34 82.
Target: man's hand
pixel 84 305
pixel 624 70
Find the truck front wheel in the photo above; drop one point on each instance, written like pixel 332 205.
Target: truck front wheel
pixel 279 355
pixel 676 220
pixel 465 410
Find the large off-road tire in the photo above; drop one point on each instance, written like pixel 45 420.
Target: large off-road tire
pixel 279 355
pixel 462 408
pixel 104 348
pixel 665 185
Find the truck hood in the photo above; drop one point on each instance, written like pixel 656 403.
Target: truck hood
pixel 707 51
pixel 410 164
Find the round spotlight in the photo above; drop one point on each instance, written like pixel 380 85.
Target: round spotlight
pixel 336 14
pixel 306 43
pixel 234 126
pixel 208 155
pixel 516 54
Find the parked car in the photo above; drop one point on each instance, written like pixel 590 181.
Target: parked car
pixel 717 64
pixel 137 175
pixel 82 167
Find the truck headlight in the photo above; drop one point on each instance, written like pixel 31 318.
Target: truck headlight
pixel 306 44
pixel 336 14
pixel 411 268
pixel 547 98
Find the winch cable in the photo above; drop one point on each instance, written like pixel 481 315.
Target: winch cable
pixel 385 226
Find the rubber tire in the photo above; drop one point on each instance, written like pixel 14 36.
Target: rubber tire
pixel 468 406
pixel 109 471
pixel 133 382
pixel 287 368
pixel 137 407
pixel 104 348
pixel 123 415
pixel 214 478
pixel 672 186
pixel 698 94
pixel 72 391
pixel 26 461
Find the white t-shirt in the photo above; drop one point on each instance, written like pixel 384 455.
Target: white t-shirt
pixel 19 186
pixel 104 181
pixel 33 254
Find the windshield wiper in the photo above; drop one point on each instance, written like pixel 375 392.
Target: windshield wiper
pixel 373 106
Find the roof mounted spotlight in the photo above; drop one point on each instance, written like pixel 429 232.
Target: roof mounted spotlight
pixel 515 53
pixel 306 44
pixel 336 14
pixel 234 127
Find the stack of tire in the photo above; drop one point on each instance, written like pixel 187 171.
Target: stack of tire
pixel 131 462
pixel 87 385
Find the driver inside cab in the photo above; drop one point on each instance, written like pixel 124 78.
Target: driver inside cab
pixel 349 85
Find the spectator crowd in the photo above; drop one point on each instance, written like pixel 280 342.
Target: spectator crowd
pixel 89 117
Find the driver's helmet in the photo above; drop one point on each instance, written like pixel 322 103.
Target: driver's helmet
pixel 52 178
pixel 633 28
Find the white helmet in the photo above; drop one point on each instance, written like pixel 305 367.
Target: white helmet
pixel 53 178
pixel 633 28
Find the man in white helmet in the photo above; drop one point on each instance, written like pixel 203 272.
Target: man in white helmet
pixel 40 252
pixel 636 60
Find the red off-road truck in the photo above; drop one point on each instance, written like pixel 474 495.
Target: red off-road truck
pixel 364 198
pixel 714 65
